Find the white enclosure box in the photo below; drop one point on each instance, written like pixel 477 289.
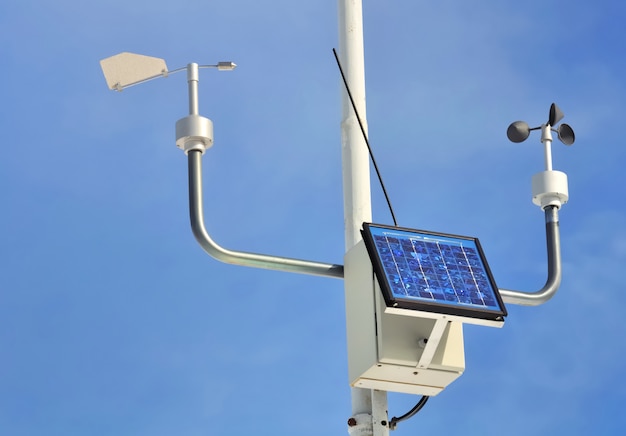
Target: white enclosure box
pixel 396 350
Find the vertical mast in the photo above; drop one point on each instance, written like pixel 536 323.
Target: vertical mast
pixel 355 159
pixel 356 177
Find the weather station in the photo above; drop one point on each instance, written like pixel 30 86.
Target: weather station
pixel 408 292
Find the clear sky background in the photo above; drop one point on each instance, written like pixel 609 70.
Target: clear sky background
pixel 113 321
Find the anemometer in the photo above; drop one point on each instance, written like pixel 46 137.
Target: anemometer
pixel 549 187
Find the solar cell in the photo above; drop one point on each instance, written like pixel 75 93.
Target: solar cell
pixel 434 272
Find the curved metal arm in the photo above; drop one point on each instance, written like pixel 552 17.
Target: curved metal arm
pixel 553 241
pixel 241 257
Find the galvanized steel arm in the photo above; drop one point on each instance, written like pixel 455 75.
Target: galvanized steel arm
pixel 196 215
pixel 194 134
pixel 553 242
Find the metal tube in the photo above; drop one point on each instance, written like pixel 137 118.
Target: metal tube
pixel 240 257
pixel 548 154
pixel 553 242
pixel 192 79
pixel 546 139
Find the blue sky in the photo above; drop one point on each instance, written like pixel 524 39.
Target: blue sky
pixel 113 321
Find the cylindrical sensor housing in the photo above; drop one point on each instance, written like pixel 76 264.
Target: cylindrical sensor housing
pixel 194 132
pixel 550 189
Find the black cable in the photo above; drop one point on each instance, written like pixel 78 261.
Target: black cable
pixel 380 179
pixel 394 421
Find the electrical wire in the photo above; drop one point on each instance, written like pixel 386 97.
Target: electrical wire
pixel 395 420
pixel 369 148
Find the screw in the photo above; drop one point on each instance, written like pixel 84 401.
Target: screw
pixel 351 422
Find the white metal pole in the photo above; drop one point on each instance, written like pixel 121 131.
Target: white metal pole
pixel 546 138
pixel 355 159
pixel 355 167
pixel 192 79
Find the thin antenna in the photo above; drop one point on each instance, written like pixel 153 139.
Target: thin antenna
pixel 369 148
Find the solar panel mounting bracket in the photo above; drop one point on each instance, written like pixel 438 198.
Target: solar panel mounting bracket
pixel 432 343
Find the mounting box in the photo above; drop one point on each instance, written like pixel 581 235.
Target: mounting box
pixel 396 350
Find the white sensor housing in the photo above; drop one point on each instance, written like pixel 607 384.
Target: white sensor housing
pixel 194 132
pixel 549 188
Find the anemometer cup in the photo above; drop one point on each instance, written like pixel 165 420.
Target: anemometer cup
pixel 549 188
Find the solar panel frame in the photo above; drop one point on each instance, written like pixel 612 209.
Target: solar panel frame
pixel 464 273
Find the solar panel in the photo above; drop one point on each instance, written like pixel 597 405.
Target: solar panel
pixel 433 272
